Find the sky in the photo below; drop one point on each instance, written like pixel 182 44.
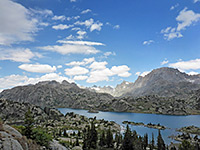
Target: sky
pixel 96 42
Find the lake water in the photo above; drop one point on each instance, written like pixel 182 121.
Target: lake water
pixel 172 122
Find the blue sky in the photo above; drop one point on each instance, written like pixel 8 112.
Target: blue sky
pixel 96 42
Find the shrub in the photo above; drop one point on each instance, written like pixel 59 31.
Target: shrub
pixel 41 137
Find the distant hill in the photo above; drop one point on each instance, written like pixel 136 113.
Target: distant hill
pixel 55 94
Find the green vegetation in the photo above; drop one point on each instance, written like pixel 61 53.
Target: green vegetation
pixel 28 123
pixel 37 134
pixel 92 134
pixel 160 142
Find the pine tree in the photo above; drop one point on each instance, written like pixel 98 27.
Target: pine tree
pixel 160 142
pixel 29 121
pixel 127 141
pixel 118 139
pixel 145 141
pixel 90 138
pixel 102 140
pixel 65 133
pixel 109 138
pixel 93 136
pixel 77 142
pixel 152 142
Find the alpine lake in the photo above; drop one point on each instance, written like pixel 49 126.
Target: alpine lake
pixel 172 122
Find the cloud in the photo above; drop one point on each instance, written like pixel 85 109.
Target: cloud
pixel 18 80
pixel 116 27
pixel 96 26
pixel 71 49
pixel 81 43
pixel 70 37
pixel 186 65
pixel 193 73
pixel 62 27
pixel 90 24
pixel 137 73
pixel 143 74
pixel 86 11
pixel 99 75
pixel 148 42
pixel 83 63
pixel 72 0
pixel 18 55
pixel 99 72
pixel 174 6
pixel 195 1
pixel 80 77
pixel 171 33
pixel 81 34
pixel 121 71
pixel 87 23
pixel 16 25
pixel 164 62
pixel 37 68
pixel 42 12
pixel 106 54
pixel 59 66
pixel 185 19
pixel 98 65
pixel 61 18
pixel 77 70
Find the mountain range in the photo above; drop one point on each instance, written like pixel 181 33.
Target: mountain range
pixel 164 82
pixel 163 91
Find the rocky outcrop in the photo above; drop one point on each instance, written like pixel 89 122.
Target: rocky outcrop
pixel 14 112
pixel 11 139
pixel 54 145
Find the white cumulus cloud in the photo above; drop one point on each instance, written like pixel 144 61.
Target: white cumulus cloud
pixel 62 27
pixel 96 26
pixel 186 65
pixel 38 68
pixel 185 19
pixel 98 65
pixel 77 70
pixel 16 23
pixel 80 77
pixel 121 71
pixel 71 49
pixel 90 24
pixel 18 80
pixel 192 73
pixel 81 43
pixel 18 55
pixel 61 18
pixel 99 75
pixel 83 63
pixel 86 11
